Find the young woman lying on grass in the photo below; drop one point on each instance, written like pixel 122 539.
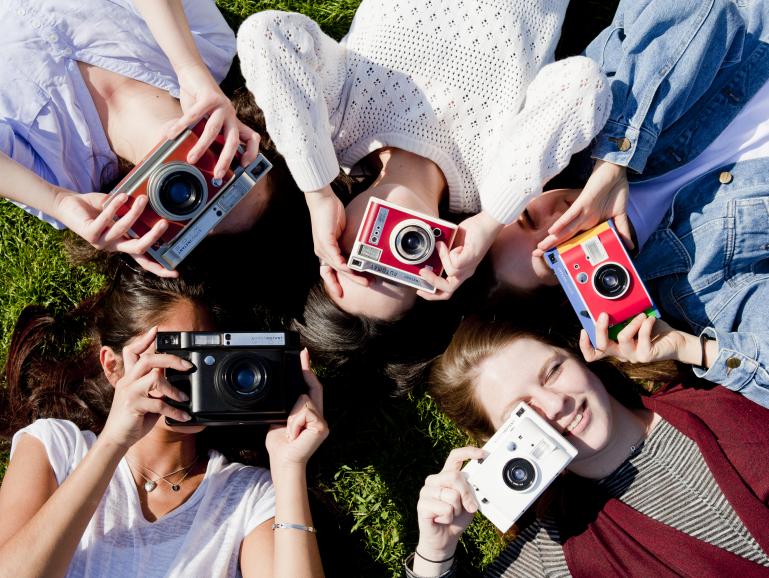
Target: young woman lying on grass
pixel 700 221
pixel 672 484
pixel 99 485
pixel 89 82
pixel 453 104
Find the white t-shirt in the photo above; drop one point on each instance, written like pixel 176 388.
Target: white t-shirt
pixel 745 138
pixel 202 537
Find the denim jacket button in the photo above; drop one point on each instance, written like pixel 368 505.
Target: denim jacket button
pixel 725 178
pixel 623 144
pixel 733 362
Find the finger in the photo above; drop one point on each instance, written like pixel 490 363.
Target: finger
pixel 160 388
pixel 187 120
pixel 209 134
pixel 330 280
pixel 231 143
pixel 445 257
pixel 149 360
pixel 314 386
pixel 435 511
pixel 104 220
pixel 142 244
pixel 250 139
pixel 602 333
pixel 154 267
pixel 586 347
pixel 120 228
pixel 147 405
pixel 451 497
pixel 622 223
pixel 459 456
pixel 570 219
pixel 626 338
pixel 134 349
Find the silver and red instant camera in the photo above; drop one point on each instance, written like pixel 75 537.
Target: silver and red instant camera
pixel 186 195
pixel 395 243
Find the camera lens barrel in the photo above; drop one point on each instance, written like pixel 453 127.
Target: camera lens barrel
pixel 177 191
pixel 243 379
pixel 519 474
pixel 412 241
pixel 611 280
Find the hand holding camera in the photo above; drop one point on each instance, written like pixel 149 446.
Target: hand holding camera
pixel 294 444
pixel 141 393
pixel 604 197
pixel 644 340
pixel 474 237
pixel 446 507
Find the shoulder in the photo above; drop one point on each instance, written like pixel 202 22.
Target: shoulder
pixel 239 478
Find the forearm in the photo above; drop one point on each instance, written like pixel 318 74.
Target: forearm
pixel 168 24
pixel 296 551
pixel 24 186
pixel 44 546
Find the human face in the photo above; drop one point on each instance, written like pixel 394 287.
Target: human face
pixel 556 385
pixel 511 257
pixel 381 299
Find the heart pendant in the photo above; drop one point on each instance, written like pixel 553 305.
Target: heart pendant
pixel 149 485
pixel 176 487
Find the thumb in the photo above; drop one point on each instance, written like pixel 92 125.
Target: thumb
pixel 624 229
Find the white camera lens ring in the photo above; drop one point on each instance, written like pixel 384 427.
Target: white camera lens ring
pixel 617 267
pixel 160 177
pixel 425 233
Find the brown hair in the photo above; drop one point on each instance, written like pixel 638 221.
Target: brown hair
pixel 453 375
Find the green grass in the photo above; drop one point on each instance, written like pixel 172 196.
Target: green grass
pixel 369 472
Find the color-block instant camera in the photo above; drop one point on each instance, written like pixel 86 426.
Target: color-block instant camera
pixel 525 455
pixel 395 243
pixel 596 273
pixel 237 378
pixel 186 195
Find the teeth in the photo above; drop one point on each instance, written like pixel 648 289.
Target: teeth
pixel 574 423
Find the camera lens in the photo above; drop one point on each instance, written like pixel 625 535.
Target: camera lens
pixel 177 191
pixel 243 378
pixel 611 280
pixel 412 242
pixel 518 474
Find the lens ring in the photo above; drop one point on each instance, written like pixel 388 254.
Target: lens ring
pixel 177 191
pixel 412 242
pixel 242 379
pixel 519 474
pixel 611 280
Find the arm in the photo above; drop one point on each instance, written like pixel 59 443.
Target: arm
pixel 661 57
pixel 82 213
pixel 297 74
pixel 42 524
pixel 294 552
pixel 199 92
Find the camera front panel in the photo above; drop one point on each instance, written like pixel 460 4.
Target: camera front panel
pixel 396 243
pixel 525 456
pixel 598 276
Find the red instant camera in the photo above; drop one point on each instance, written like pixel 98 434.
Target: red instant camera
pixel 596 273
pixel 395 243
pixel 186 195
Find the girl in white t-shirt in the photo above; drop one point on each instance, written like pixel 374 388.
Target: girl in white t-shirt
pixel 114 491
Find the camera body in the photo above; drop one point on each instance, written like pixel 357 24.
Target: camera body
pixel 237 378
pixel 525 455
pixel 186 195
pixel 597 274
pixel 395 243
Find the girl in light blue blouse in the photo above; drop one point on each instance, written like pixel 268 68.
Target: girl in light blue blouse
pixel 86 82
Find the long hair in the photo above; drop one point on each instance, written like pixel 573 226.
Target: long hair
pixel 454 374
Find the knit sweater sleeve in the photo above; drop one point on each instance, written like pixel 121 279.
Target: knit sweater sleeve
pixel 296 74
pixel 566 105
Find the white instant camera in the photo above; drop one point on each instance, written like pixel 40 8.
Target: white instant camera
pixel 525 456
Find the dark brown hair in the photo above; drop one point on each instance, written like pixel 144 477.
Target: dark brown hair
pixel 453 375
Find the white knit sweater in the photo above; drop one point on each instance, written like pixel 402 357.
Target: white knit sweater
pixel 463 83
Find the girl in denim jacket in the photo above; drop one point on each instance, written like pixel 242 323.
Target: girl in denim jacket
pixel 702 142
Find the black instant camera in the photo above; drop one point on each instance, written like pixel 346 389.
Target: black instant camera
pixel 237 378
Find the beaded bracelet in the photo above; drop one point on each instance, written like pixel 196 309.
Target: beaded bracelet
pixel 302 527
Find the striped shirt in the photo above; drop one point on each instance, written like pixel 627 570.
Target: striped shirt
pixel 691 502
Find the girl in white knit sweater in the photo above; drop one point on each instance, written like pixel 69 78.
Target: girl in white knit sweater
pixel 453 101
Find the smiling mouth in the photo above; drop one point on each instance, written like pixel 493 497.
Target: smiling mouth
pixel 578 416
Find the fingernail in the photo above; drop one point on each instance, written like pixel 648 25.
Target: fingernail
pixel 186 416
pixel 184 396
pixel 186 364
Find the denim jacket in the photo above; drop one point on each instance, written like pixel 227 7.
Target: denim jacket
pixel 680 70
pixel 714 276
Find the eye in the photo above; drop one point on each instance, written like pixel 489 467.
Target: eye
pixel 553 372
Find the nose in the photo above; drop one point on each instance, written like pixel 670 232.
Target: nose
pixel 550 404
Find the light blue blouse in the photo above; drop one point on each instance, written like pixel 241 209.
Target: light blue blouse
pixel 48 121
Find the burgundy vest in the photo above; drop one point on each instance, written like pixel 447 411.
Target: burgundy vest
pixel 604 537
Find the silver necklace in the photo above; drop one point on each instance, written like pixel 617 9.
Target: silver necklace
pixel 150 484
